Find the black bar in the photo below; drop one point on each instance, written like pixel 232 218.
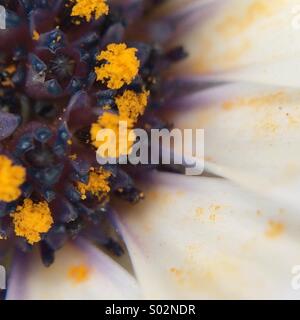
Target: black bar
pixel 156 309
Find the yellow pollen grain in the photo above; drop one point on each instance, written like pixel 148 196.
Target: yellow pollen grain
pixel 131 105
pixel 11 69
pixel 181 276
pixel 214 210
pixel 35 35
pixel 176 271
pixel 256 102
pixel 121 68
pixel 31 219
pixel 199 212
pixel 11 178
pixel 257 10
pixel 79 273
pixel 87 8
pixel 258 213
pixel 98 184
pixel 7 81
pixel 274 229
pixel 73 156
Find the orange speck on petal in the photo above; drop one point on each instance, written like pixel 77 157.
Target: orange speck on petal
pixel 235 24
pixel 176 271
pixel 274 229
pixel 199 212
pixel 256 101
pixel 79 273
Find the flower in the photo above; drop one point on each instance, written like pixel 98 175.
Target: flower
pixel 231 233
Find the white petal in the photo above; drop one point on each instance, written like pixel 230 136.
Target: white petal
pixel 282 72
pixel 237 35
pixel 206 238
pixel 252 136
pixel 79 272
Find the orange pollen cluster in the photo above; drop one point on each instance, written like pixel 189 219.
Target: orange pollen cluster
pixel 98 184
pixel 131 105
pixel 11 178
pixel 121 68
pixel 31 219
pixel 87 8
pixel 119 138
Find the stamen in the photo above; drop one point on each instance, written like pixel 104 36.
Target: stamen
pixel 11 178
pixel 32 219
pixel 87 8
pixel 97 185
pixel 131 105
pixel 121 68
pixel 116 144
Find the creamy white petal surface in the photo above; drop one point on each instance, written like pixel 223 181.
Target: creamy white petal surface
pixel 252 136
pixel 207 238
pixel 248 40
pixel 79 272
